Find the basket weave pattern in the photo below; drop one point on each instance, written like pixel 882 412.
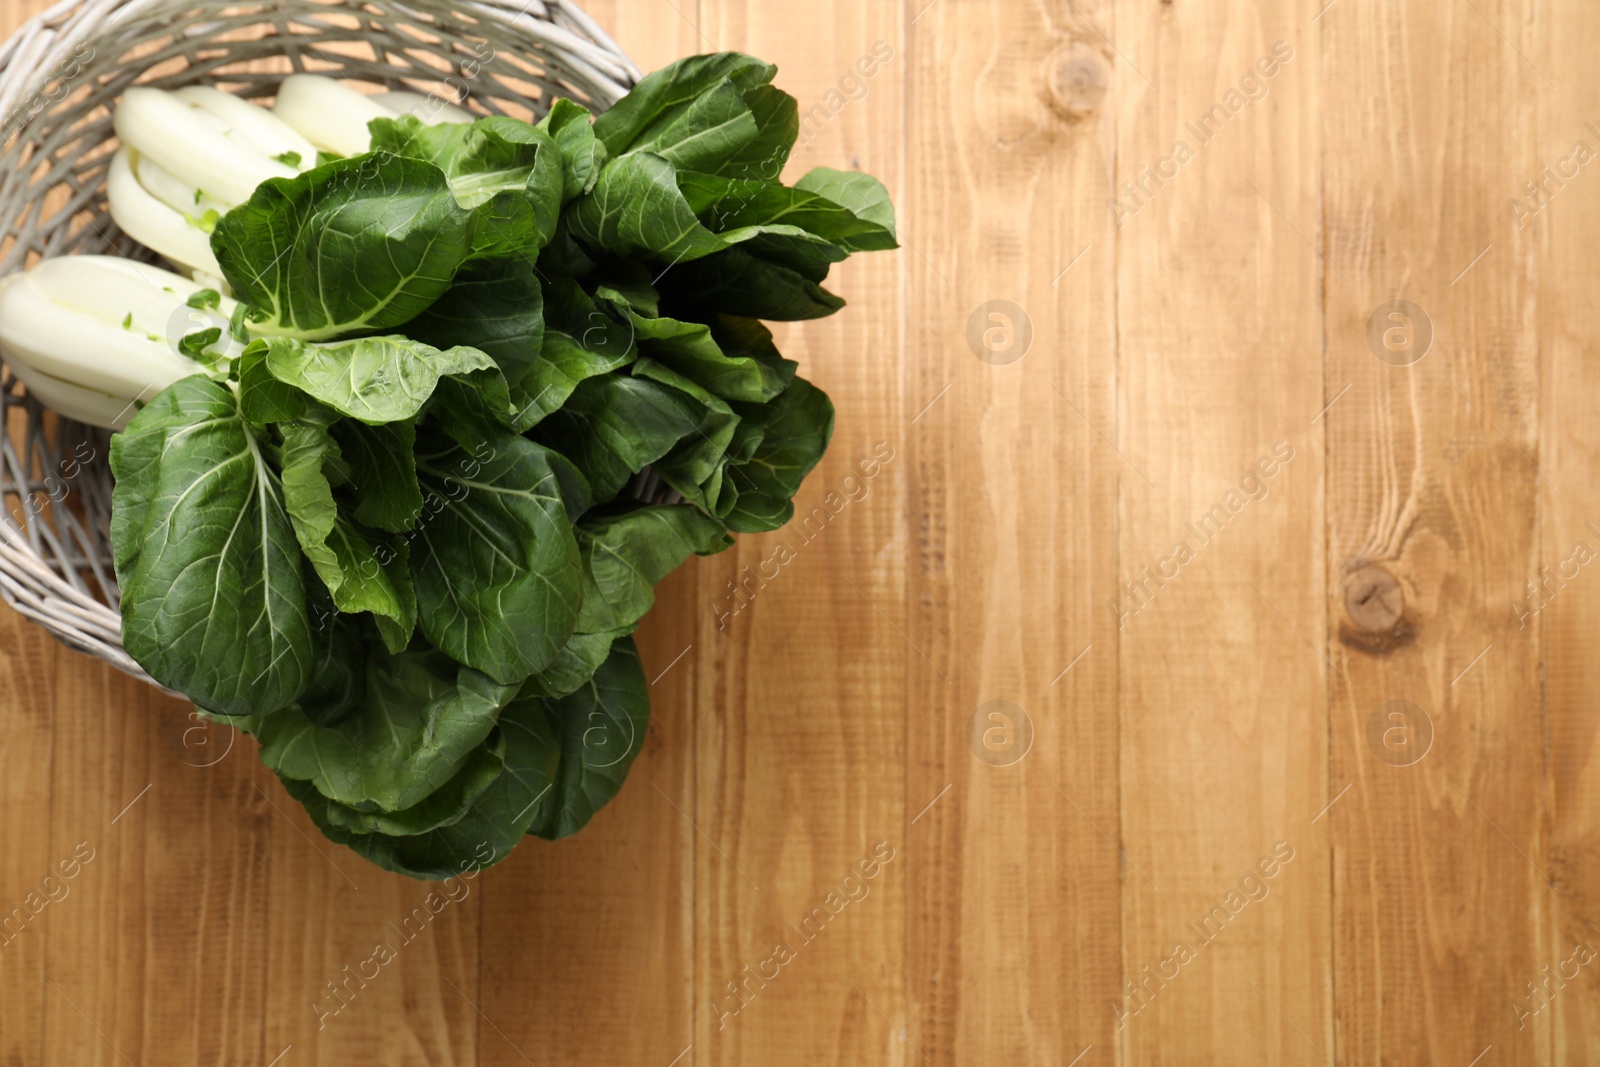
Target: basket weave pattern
pixel 59 77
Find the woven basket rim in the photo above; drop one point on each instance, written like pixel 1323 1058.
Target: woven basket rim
pixel 55 563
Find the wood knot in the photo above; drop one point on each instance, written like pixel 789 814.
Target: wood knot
pixel 1373 599
pixel 1076 78
pixel 1375 602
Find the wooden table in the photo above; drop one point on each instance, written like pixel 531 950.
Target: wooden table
pixel 1219 420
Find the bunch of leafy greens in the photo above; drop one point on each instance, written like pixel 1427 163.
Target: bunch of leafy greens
pixel 497 380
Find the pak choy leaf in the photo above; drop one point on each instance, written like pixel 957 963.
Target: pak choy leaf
pixel 546 335
pixel 713 489
pixel 361 244
pixel 695 459
pixel 338 675
pixel 739 282
pixel 495 562
pixel 479 159
pixel 626 283
pixel 494 306
pixel 866 225
pixel 564 760
pixel 795 432
pixel 637 209
pixel 696 107
pixel 445 806
pixel 359 575
pixel 601 727
pixel 691 349
pixel 574 665
pixel 860 194
pixel 614 425
pixel 473 409
pixel 704 132
pixel 582 153
pixel 382 477
pixel 507 173
pixel 420 716
pixel 723 245
pixel 493 824
pixel 832 229
pixel 861 220
pixel 213 594
pixel 777 119
pixel 810 258
pixel 373 379
pixel 626 554
pixel 583 338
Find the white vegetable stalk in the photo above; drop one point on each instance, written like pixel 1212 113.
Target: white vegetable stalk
pixel 202 141
pixel 334 117
pixel 93 337
pixel 189 156
pixel 186 158
pixel 154 223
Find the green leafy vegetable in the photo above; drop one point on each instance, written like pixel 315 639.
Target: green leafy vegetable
pixel 343 555
pixel 574 665
pixel 663 97
pixel 493 823
pixel 373 379
pixel 601 727
pixel 613 426
pixel 690 349
pixel 736 282
pixel 582 153
pixel 625 555
pixel 497 380
pixel 861 194
pixel 213 598
pixel 507 173
pixel 355 245
pixel 382 466
pixel 496 569
pixel 420 719
pixel 795 431
pixel 444 807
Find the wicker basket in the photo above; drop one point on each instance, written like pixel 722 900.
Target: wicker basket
pixel 60 75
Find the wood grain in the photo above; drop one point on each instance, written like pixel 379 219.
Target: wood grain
pixel 1441 910
pixel 1190 326
pixel 1567 620
pixel 28 661
pixel 1223 677
pixel 1013 934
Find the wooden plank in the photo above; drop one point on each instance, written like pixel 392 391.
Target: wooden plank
pixel 332 995
pixel 166 912
pixel 587 943
pixel 1560 225
pixel 799 773
pixel 28 659
pixel 1441 911
pixel 1013 940
pixel 1223 674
